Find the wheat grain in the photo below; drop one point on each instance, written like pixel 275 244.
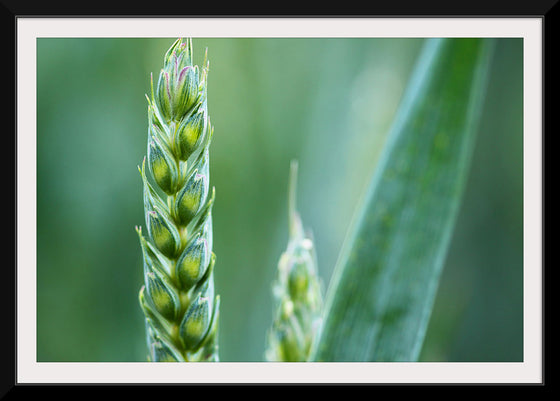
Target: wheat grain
pixel 178 301
pixel 297 292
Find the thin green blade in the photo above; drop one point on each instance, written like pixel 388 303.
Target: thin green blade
pixel 382 291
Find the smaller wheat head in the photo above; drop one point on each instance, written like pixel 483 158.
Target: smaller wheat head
pixel 177 298
pixel 296 290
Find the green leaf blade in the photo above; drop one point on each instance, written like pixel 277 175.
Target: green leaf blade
pixel 383 288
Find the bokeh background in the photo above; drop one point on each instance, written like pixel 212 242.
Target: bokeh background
pixel 327 102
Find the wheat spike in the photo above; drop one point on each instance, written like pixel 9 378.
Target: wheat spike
pixel 297 291
pixel 178 301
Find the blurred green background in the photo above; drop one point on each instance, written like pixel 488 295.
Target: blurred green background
pixel 327 102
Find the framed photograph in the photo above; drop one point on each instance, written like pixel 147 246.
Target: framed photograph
pixel 279 199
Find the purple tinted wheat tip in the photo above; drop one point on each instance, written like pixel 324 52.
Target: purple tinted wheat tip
pixel 183 72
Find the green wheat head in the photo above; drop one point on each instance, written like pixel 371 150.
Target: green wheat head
pixel 297 292
pixel 177 298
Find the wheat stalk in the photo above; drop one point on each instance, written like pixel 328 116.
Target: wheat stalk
pixel 177 298
pixel 296 291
